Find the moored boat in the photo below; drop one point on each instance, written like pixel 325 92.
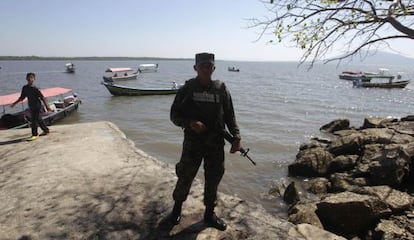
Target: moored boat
pixel 148 67
pixel 70 68
pixel 63 106
pixel 120 74
pixel 233 69
pixel 381 79
pixel 383 73
pixel 119 90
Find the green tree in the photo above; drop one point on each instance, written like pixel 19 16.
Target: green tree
pixel 321 27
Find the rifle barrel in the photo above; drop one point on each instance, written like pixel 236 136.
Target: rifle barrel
pixel 243 151
pixel 244 154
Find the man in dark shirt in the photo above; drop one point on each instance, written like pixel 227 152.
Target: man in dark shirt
pixel 34 96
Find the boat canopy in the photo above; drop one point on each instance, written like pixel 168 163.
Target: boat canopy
pixel 119 70
pixel 47 92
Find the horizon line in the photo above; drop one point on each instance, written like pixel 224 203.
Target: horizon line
pixel 35 57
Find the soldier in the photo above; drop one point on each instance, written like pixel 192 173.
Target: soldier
pixel 203 108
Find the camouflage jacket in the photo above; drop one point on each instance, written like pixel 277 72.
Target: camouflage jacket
pixel 211 105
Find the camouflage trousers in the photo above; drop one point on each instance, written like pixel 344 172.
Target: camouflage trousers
pixel 194 152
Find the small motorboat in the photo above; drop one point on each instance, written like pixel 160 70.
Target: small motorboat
pixel 233 69
pixel 148 67
pixel 70 67
pixel 118 74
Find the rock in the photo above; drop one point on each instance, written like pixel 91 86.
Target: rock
pixel 304 213
pixel 346 182
pixel 318 185
pixel 396 200
pixel 312 144
pixel 348 213
pixel 313 162
pixel 404 127
pixel 291 195
pixel 408 118
pixel 367 178
pixel 376 122
pixel 384 136
pixel 310 232
pixel 388 230
pixel 336 125
pixel 346 132
pixel 348 144
pixel 343 163
pixel 388 164
pixel 372 122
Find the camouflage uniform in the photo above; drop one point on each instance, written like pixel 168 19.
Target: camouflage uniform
pixel 213 106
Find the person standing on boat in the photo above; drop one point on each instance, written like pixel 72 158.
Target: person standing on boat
pixel 34 97
pixel 175 85
pixel 203 107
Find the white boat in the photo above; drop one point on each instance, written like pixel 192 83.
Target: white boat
pixel 70 67
pixel 120 74
pixel 148 67
pixel 233 69
pixel 381 79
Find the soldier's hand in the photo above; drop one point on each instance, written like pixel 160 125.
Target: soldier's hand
pixel 235 146
pixel 197 126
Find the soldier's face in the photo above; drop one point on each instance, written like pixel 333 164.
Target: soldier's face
pixel 205 70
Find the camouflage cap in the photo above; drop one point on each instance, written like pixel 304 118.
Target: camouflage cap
pixel 204 58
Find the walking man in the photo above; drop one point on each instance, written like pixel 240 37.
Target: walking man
pixel 34 97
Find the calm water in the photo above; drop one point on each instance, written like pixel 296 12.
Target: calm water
pixel 278 107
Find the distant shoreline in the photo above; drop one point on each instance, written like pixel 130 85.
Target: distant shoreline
pixel 37 58
pixel 18 58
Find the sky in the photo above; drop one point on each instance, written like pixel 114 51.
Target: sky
pixel 137 28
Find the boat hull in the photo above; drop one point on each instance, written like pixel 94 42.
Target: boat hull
pixel 399 84
pixel 70 70
pixel 118 90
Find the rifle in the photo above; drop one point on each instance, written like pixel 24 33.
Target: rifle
pixel 244 152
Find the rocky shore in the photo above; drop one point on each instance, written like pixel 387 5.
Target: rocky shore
pixel 88 181
pixel 359 180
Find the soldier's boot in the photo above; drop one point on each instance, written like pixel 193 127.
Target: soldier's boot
pixel 175 216
pixel 212 220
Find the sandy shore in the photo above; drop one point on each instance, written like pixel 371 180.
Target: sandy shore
pixel 88 181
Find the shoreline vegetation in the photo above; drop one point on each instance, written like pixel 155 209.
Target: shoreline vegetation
pixel 93 58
